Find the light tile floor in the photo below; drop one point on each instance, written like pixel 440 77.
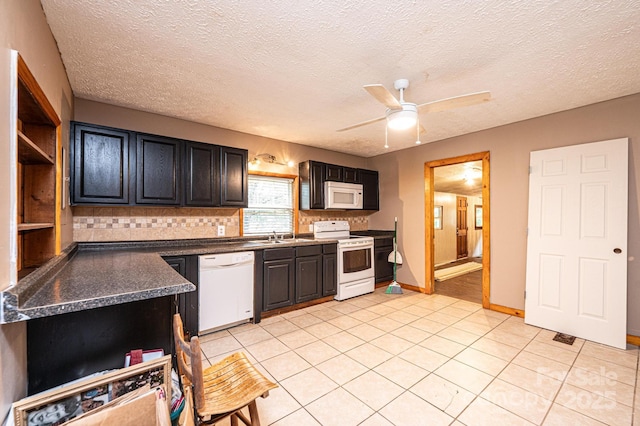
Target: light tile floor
pixel 414 359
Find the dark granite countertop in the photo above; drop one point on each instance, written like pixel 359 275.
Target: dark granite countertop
pixel 93 275
pixel 85 279
pixel 376 234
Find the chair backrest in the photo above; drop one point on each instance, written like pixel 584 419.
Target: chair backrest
pixel 189 357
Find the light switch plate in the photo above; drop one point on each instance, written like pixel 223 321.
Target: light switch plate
pixel 220 230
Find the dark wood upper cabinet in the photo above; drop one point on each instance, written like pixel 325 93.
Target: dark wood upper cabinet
pixel 350 175
pixel 311 175
pixel 115 166
pixel 337 173
pixel 234 181
pixel 202 175
pixel 333 173
pixel 100 165
pixel 370 191
pixel 157 170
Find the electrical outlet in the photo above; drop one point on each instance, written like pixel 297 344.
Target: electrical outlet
pixel 220 230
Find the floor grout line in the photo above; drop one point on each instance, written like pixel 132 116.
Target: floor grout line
pixel 506 325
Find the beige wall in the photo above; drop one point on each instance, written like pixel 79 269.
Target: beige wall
pixel 402 190
pixel 23 28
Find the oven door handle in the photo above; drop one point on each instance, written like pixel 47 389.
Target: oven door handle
pixel 355 245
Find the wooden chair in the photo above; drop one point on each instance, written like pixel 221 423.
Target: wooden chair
pixel 223 389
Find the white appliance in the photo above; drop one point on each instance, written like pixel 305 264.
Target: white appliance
pixel 356 270
pixel 225 285
pixel 340 195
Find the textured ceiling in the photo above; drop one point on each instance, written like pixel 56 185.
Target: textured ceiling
pixel 460 179
pixel 294 70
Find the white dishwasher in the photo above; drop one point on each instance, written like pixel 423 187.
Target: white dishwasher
pixel 225 285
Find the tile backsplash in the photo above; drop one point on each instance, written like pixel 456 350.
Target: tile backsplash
pixel 171 223
pixel 153 223
pixel 358 220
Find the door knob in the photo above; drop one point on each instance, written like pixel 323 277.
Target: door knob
pixel 617 250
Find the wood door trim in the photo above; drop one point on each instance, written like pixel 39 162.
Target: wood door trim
pixel 486 215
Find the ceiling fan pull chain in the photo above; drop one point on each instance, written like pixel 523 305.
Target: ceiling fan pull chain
pixel 418 130
pixel 386 136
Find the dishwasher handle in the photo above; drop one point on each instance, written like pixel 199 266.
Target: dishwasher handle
pixel 226 260
pixel 226 265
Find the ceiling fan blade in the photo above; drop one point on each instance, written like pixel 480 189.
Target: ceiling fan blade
pixel 455 102
pixel 383 96
pixel 364 123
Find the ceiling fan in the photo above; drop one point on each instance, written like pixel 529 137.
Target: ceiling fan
pixel 402 115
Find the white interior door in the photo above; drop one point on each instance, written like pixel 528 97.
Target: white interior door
pixel 577 241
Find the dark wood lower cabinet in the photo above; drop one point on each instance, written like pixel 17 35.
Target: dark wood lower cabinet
pixel 329 270
pixel 279 283
pixel 289 276
pixel 187 303
pixel 278 278
pixel 383 268
pixel 66 347
pixel 308 278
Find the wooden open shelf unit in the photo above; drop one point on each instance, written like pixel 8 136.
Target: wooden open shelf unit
pixel 38 209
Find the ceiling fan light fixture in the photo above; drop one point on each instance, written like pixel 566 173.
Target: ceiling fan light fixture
pixel 402 119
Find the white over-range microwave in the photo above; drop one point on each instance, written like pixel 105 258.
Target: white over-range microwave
pixel 340 195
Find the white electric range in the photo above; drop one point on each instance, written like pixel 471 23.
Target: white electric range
pixel 356 273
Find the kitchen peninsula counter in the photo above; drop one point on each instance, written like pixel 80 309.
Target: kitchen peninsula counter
pixel 93 275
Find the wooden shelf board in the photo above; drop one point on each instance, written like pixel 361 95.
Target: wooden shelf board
pixel 34 226
pixel 30 153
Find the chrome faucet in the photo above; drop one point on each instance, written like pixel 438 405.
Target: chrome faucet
pixel 275 236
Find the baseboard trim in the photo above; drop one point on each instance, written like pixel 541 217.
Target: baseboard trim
pixel 506 310
pixel 295 307
pixel 413 288
pixel 633 340
pixel 405 286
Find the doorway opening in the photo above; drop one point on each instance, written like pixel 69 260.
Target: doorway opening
pixel 463 230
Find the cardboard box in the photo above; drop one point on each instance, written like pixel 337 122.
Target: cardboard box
pixel 143 406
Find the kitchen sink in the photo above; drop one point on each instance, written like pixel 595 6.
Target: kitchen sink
pixel 285 241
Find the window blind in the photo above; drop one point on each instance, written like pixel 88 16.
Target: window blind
pixel 270 206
